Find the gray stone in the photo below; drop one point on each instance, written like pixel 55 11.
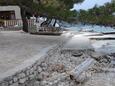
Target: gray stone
pixel 44 68
pixel 27 72
pixel 21 81
pixel 35 67
pixel 21 75
pixel 8 78
pixel 36 83
pixel 39 69
pixel 31 70
pixel 62 84
pixel 15 84
pixel 44 64
pixel 39 77
pixel 15 79
pixel 4 84
pixel 31 77
pixel 11 82
pixel 45 75
pixel 35 73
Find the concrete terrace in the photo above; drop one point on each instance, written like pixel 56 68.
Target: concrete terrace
pixel 16 47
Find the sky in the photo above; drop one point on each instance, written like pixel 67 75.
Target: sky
pixel 87 4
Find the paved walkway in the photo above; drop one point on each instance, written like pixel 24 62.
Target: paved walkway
pixel 16 47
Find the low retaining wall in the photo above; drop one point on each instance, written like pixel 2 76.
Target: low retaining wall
pixel 11 28
pixel 27 71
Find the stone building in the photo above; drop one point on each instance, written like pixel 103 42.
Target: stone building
pixel 10 12
pixel 10 16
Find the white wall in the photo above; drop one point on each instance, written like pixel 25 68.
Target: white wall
pixel 16 9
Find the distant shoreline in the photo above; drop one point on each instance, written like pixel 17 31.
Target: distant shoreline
pixel 106 25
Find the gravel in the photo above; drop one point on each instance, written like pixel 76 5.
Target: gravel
pixel 24 46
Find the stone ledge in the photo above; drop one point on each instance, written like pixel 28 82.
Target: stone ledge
pixel 27 70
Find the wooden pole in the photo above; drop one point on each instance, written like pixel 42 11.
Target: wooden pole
pixel 75 73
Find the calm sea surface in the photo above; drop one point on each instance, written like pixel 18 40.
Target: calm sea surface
pixel 95 28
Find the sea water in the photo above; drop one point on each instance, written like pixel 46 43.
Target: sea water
pixel 95 28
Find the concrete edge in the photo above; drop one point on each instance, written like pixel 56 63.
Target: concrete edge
pixel 28 63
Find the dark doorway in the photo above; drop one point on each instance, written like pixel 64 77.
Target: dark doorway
pixel 7 15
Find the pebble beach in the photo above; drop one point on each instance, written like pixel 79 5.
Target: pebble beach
pixel 17 47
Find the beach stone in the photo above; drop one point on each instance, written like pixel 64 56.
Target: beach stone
pixel 31 71
pixel 31 77
pixel 36 83
pixel 11 82
pixel 22 75
pixel 39 69
pixel 15 79
pixel 77 54
pixel 57 67
pixel 4 84
pixel 35 67
pixel 27 72
pixel 21 81
pixel 15 84
pixel 43 64
pixel 45 75
pixel 39 77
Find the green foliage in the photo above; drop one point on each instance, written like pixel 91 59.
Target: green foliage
pixel 99 15
pixel 50 8
pixel 58 8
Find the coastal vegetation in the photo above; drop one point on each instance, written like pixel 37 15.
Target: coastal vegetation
pixel 57 9
pixel 103 15
pixel 60 10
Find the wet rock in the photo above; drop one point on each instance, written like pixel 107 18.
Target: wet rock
pixel 77 54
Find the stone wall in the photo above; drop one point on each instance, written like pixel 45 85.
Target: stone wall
pixel 28 71
pixel 16 9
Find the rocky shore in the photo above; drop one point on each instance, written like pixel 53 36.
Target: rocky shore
pixel 72 50
pixel 56 69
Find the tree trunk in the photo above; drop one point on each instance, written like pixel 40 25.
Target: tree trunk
pixel 75 74
pixel 24 20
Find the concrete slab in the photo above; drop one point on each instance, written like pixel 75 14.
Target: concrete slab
pixel 16 47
